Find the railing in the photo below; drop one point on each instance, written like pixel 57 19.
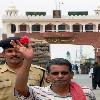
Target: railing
pixel 58 31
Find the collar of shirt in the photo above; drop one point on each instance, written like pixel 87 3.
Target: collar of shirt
pixel 5 68
pixel 57 95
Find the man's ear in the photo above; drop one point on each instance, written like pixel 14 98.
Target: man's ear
pixel 72 75
pixel 47 78
pixel 3 54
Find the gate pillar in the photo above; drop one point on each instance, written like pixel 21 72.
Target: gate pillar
pixel 97 55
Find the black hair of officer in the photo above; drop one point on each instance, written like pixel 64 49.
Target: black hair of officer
pixel 6 42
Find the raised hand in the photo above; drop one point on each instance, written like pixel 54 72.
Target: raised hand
pixel 23 71
pixel 26 51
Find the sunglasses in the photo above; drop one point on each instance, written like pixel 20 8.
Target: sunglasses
pixel 57 73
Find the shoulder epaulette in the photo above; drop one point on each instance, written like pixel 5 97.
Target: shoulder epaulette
pixel 38 67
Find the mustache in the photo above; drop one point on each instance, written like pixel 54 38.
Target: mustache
pixel 15 57
pixel 59 80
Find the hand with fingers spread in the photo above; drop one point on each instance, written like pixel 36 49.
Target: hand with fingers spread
pixel 26 51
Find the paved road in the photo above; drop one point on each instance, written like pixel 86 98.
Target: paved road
pixel 85 80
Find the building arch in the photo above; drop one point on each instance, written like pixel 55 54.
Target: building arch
pixel 61 28
pixel 77 27
pixel 89 27
pixel 98 27
pixel 13 28
pixel 24 28
pixel 50 28
pixel 36 28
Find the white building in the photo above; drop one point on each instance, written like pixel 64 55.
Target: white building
pixel 78 21
pixel 77 27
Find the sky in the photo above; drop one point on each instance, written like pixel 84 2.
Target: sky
pixel 49 6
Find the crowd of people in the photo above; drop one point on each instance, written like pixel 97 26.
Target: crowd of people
pixel 21 80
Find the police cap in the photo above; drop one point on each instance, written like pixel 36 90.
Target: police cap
pixel 6 42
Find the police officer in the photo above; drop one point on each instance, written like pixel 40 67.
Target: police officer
pixel 14 60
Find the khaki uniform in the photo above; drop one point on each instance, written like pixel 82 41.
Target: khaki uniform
pixel 7 80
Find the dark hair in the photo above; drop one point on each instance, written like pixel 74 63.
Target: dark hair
pixel 5 44
pixel 58 61
pixel 96 63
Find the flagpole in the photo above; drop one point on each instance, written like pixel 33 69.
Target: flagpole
pixel 60 5
pixel 56 4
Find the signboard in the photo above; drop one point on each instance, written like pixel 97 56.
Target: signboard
pixel 56 13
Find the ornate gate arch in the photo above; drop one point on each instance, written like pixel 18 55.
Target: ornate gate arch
pixel 81 38
pixel 78 38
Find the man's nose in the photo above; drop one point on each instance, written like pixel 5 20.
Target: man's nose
pixel 14 52
pixel 60 75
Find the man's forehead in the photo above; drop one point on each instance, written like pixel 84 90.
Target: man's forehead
pixel 55 67
pixel 9 49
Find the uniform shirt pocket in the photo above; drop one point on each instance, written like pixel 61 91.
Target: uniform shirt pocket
pixel 5 83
